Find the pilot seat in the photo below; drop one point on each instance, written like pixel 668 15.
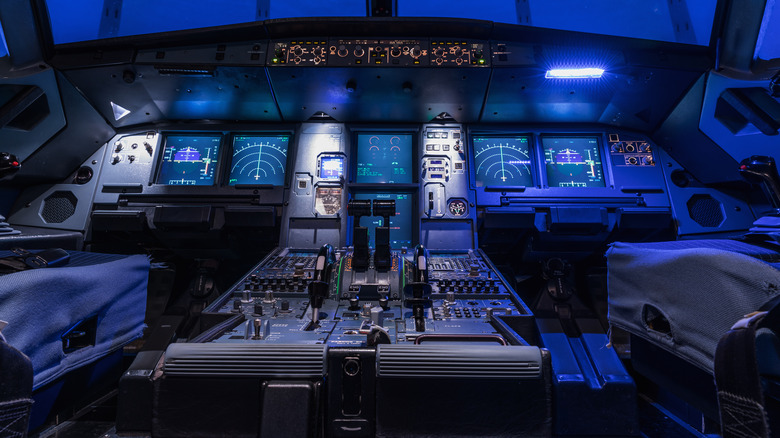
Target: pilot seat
pixel 70 312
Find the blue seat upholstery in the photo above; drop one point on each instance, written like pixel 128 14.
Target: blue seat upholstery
pixel 103 292
pixel 684 295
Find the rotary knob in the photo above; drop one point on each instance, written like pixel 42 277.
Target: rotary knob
pixel 359 51
pixel 395 52
pixel 415 52
pixel 319 52
pixel 342 52
pixel 297 51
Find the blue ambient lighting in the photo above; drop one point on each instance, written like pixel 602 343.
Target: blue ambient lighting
pixel 575 73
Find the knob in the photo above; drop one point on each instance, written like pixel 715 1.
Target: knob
pixel 648 160
pixel 354 303
pixel 237 305
pixel 247 296
pixel 450 298
pixel 438 52
pixel 359 51
pixel 269 297
pixel 395 52
pixel 297 51
pixel 630 148
pixel 383 303
pixel 617 147
pixel 342 51
pixel 148 148
pixel 298 270
pixel 258 310
pixel 116 159
pixel 632 160
pixel 415 52
pixel 118 146
pixel 319 51
pixel 473 269
pixel 285 305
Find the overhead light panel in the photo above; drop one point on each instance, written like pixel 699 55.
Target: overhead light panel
pixel 575 73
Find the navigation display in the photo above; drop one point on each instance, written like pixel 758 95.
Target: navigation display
pixel 400 224
pixel 259 159
pixel 189 160
pixel 502 161
pixel 573 162
pixel 384 158
pixel 331 167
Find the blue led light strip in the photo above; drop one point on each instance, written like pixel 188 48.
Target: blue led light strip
pixel 574 73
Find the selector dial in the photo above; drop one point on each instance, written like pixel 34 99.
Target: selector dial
pixel 415 52
pixel 359 51
pixel 343 51
pixel 457 207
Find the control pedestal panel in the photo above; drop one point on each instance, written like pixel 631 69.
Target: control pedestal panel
pixel 364 307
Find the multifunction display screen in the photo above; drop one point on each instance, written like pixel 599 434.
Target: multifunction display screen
pixel 502 161
pixel 331 167
pixel 400 224
pixel 189 160
pixel 258 160
pixel 573 162
pixel 384 158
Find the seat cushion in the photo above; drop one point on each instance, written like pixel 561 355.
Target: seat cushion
pixel 99 298
pixel 684 295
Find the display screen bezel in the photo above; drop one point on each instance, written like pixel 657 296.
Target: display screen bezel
pixel 544 164
pixel 231 147
pixel 161 162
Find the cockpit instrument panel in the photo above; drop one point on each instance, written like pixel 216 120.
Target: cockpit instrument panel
pixel 503 161
pixel 573 162
pixel 258 159
pixel 189 160
pixel 384 158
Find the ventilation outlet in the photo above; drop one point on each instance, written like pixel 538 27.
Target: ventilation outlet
pixel 58 207
pixel 706 211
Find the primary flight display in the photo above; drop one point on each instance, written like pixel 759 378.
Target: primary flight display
pixel 189 160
